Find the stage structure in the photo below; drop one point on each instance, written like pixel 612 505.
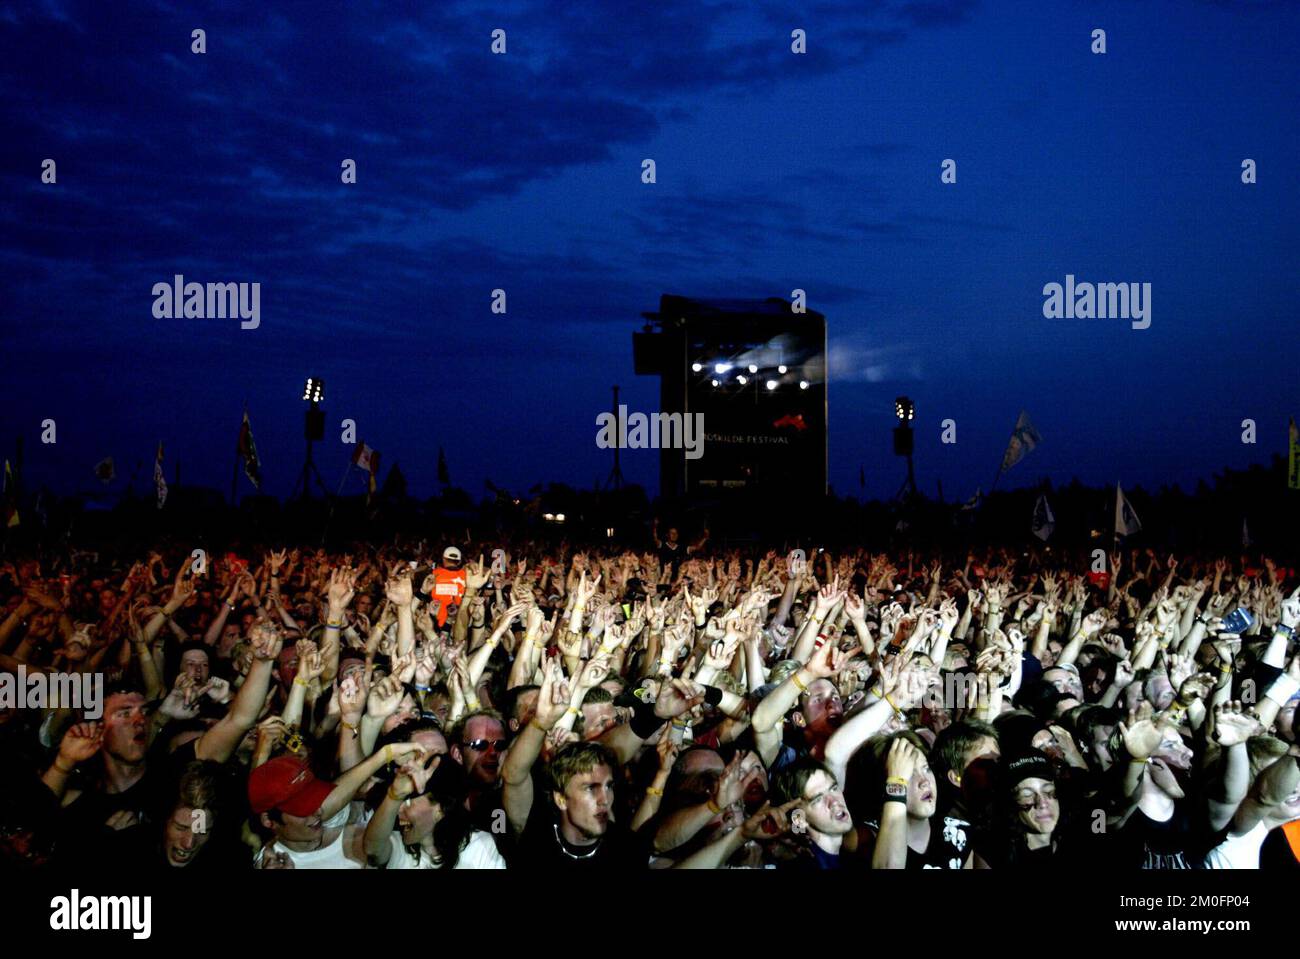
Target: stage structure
pixel 756 370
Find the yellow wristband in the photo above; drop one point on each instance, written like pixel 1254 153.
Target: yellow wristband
pixel 573 709
pixel 472 705
pixel 651 791
pixel 896 780
pixel 714 808
pixel 797 683
pixel 538 726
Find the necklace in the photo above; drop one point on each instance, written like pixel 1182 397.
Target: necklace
pixel 564 848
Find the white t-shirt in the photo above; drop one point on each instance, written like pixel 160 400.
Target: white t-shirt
pixel 333 856
pixel 1238 852
pixel 479 853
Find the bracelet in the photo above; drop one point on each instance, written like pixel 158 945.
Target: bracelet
pixel 714 807
pixel 348 726
pixel 472 704
pixel 538 726
pixel 299 681
pixel 651 791
pixel 333 625
pixel 896 781
pixel 574 710
pixel 392 797
pixel 423 689
pixel 797 683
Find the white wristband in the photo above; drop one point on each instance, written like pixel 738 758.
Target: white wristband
pixel 1283 688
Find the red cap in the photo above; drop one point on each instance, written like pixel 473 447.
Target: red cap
pixel 288 784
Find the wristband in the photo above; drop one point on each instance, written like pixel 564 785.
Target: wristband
pixel 714 807
pixel 422 689
pixel 651 791
pixel 299 681
pixel 1284 628
pixel 712 695
pixel 574 710
pixel 348 726
pixel 797 683
pixel 472 705
pixel 392 797
pixel 230 604
pixel 896 780
pixel 1282 689
pixel 333 625
pixel 538 726
pixel 889 798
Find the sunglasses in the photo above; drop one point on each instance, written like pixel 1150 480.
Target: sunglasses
pixel 481 745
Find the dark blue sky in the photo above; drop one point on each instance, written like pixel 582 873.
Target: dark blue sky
pixel 522 172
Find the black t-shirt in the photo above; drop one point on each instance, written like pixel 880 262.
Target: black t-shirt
pixel 1180 843
pixel 542 847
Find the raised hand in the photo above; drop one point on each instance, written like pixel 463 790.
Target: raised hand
pixel 677 696
pixel 398 589
pixel 554 696
pixel 341 589
pixel 80 742
pixel 266 641
pixel 1233 726
pixel 1141 735
pixel 384 698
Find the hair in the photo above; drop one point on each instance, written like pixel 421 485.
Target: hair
pixel 510 701
pixel 447 788
pixel 1263 752
pixel 951 745
pixel 864 777
pixel 198 785
pixel 597 696
pixel 577 759
pixel 456 735
pixel 789 783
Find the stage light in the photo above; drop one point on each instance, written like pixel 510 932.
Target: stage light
pixel 904 409
pixel 559 517
pixel 609 532
pixel 716 383
pixel 314 390
pixel 549 517
pixel 771 384
pixel 753 368
pixel 697 367
pixel 803 384
pixel 722 367
pixel 782 369
pixel 742 379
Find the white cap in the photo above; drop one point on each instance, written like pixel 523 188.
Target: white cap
pixel 451 553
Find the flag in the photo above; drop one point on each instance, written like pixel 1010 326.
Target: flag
pixel 363 456
pixel 1023 439
pixel 367 459
pixel 104 471
pixel 1126 521
pixel 1293 465
pixel 443 476
pixel 247 450
pixel 1245 534
pixel 158 481
pixel 1044 521
pixel 10 497
pixel 974 501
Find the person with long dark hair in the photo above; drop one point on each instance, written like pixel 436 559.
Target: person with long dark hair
pixel 422 822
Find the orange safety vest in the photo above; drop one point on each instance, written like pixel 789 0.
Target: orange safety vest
pixel 448 590
pixel 1292 832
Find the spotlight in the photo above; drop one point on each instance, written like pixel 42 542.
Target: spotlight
pixel 559 517
pixel 742 379
pixel 716 383
pixel 803 384
pixel 697 367
pixel 771 384
pixel 314 390
pixel 782 369
pixel 721 367
pixel 753 368
pixel 549 517
pixel 904 409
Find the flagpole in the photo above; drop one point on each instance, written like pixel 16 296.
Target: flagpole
pixel 334 502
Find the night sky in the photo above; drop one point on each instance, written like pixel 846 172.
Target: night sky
pixel 522 172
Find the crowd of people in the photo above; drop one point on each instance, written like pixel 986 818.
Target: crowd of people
pixel 546 707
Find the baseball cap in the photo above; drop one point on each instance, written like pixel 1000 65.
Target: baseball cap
pixel 286 783
pixel 451 553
